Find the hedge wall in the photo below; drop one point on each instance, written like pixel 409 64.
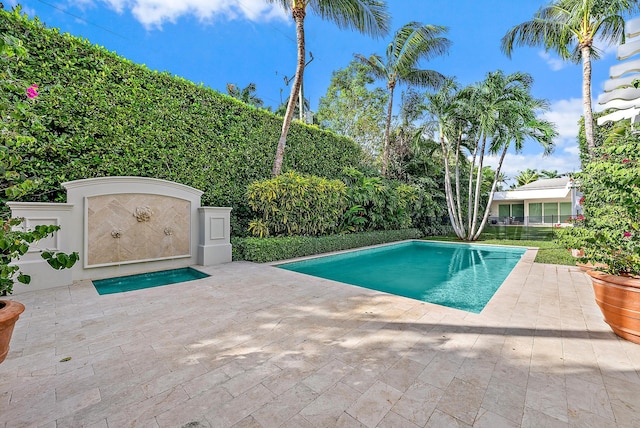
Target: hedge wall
pixel 104 115
pixel 263 250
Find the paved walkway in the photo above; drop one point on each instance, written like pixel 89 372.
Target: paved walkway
pixel 256 346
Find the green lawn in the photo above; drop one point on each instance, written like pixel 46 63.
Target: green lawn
pixel 548 252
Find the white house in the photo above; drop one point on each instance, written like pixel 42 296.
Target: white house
pixel 543 202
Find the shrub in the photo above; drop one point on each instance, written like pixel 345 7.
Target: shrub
pixel 385 204
pixel 263 250
pixel 104 116
pixel 295 204
pixel 610 182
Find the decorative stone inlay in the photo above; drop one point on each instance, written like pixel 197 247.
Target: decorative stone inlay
pixel 159 228
pixel 143 213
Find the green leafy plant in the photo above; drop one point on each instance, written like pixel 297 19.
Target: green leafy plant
pixel 18 120
pixel 353 220
pixel 386 204
pixel 296 204
pixel 14 243
pixel 262 250
pixel 610 182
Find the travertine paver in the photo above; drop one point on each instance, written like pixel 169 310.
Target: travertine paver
pixel 256 346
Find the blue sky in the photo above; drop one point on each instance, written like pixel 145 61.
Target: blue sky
pixel 216 42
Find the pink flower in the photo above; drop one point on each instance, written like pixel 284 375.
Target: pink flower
pixel 625 161
pixel 627 234
pixel 32 91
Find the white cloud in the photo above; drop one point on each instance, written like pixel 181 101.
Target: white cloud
pixel 553 62
pixel 565 114
pixel 513 164
pixel 154 13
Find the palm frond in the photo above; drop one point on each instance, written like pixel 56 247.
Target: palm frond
pixel 366 16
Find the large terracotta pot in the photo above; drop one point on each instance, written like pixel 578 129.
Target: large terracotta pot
pixel 9 313
pixel 619 300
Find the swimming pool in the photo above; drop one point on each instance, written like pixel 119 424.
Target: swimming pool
pixel 461 276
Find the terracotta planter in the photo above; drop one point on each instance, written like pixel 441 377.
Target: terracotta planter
pixel 619 300
pixel 9 313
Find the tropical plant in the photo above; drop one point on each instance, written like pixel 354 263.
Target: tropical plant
pixel 412 43
pixel 366 16
pixel 570 28
pixel 353 109
pixel 246 95
pixel 610 232
pixel 527 176
pixel 15 242
pixel 385 204
pixel 546 173
pixel 294 204
pixel 487 118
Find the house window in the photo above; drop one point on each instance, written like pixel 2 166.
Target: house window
pixel 517 212
pixel 565 211
pixel 511 213
pixel 535 212
pixel 504 212
pixel 551 212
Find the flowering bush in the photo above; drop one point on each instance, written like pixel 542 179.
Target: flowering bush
pixel 610 182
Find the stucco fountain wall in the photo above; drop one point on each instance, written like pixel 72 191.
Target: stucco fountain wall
pixel 125 225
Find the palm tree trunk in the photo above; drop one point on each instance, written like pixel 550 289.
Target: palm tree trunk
pixel 476 202
pixel 458 204
pixel 487 209
pixel 586 99
pixel 387 131
pixel 298 16
pixel 448 192
pixel 471 192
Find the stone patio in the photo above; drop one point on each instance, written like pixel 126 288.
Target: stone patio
pixel 257 346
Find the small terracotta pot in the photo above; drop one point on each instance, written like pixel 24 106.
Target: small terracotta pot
pixel 9 313
pixel 619 300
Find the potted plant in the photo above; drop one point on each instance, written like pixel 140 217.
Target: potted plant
pixel 610 233
pixel 14 243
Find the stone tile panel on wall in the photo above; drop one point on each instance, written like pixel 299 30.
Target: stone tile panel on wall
pixel 129 227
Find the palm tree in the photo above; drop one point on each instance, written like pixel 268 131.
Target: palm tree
pixel 411 43
pixel 569 27
pixel 500 113
pixel 527 176
pixel 546 173
pixel 246 94
pixel 367 16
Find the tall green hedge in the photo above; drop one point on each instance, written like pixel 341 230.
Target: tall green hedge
pixel 104 115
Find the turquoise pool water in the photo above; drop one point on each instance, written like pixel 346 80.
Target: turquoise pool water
pixel 146 280
pixel 459 276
